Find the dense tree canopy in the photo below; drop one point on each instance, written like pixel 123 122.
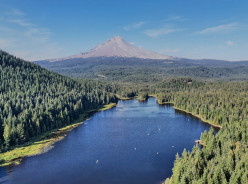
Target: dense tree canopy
pixel 224 157
pixel 34 100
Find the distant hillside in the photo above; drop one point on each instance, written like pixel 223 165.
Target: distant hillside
pixel 117 60
pixel 214 62
pixel 34 100
pixel 137 70
pixel 113 68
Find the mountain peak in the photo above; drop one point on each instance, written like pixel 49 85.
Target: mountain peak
pixel 117 47
pixel 116 38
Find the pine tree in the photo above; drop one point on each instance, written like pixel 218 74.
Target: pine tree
pixel 7 136
pixel 21 133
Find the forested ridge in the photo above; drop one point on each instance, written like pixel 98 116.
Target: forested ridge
pixel 34 100
pixel 224 156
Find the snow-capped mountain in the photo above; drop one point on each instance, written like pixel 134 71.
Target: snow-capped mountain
pixel 117 47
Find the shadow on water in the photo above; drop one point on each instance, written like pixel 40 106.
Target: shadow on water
pixel 4 175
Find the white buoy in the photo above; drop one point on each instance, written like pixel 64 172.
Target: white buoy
pixel 157 153
pixel 134 148
pixel 172 146
pixel 97 161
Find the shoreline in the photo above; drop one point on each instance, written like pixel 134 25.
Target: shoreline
pixel 192 114
pixel 198 116
pixel 141 99
pixel 134 97
pixel 123 98
pixel 176 108
pixel 45 142
pixel 167 180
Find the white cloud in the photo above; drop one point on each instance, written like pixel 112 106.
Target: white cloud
pixel 224 28
pixel 230 43
pixel 134 26
pixel 25 39
pixel 15 11
pixel 173 18
pixel 166 51
pixel 161 31
pixel 20 22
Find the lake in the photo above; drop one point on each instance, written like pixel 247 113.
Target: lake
pixel 132 143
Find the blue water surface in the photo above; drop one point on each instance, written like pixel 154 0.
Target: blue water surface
pixel 133 143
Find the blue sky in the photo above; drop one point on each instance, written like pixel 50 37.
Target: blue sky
pixel 41 29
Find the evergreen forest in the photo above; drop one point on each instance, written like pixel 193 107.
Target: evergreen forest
pixel 34 100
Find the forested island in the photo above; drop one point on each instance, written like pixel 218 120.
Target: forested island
pixel 34 101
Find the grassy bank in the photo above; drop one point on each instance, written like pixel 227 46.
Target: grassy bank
pixel 44 142
pixel 140 99
pixel 123 98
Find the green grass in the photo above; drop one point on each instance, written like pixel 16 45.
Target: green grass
pixel 108 106
pixel 44 142
pixel 140 99
pixel 123 98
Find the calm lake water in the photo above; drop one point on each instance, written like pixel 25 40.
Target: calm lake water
pixel 133 143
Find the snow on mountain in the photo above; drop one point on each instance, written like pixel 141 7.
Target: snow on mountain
pixel 117 47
